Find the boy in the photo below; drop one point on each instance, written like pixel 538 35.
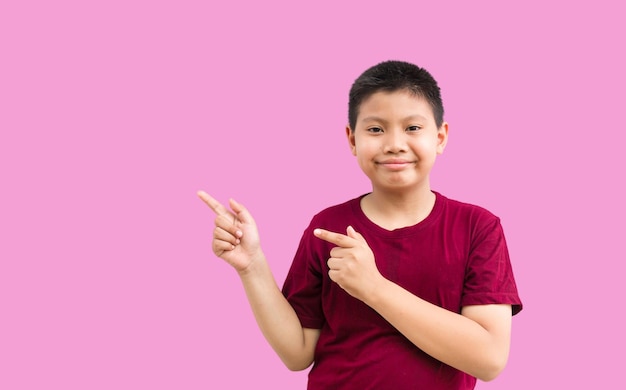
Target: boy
pixel 400 288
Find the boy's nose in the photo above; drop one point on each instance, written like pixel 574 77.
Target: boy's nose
pixel 395 142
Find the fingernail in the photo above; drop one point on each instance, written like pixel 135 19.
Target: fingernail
pixel 317 232
pixel 239 233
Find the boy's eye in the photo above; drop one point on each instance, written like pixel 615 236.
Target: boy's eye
pixel 413 128
pixel 375 130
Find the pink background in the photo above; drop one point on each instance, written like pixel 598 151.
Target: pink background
pixel 113 114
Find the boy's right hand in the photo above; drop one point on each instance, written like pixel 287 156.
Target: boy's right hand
pixel 235 237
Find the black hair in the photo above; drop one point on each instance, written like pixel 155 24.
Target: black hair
pixel 390 76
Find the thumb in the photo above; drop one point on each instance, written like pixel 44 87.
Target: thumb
pixel 354 234
pixel 243 214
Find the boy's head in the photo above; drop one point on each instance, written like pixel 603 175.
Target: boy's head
pixel 390 76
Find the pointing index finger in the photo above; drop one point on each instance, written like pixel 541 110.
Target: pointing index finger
pixel 338 239
pixel 216 206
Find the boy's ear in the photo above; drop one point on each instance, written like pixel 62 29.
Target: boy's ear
pixel 351 141
pixel 442 137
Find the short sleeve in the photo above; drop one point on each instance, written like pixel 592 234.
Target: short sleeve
pixel 303 284
pixel 489 274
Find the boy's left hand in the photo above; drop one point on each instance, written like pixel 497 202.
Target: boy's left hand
pixel 351 265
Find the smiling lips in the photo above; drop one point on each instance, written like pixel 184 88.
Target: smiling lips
pixel 395 164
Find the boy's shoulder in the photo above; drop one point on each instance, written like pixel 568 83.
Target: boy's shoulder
pixel 339 211
pixel 464 207
pixel 462 216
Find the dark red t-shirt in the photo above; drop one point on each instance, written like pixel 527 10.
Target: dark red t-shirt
pixel 455 257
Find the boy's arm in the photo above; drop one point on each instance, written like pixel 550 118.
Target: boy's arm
pixel 475 341
pixel 236 240
pixel 277 319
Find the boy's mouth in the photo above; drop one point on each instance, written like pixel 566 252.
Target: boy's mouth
pixel 395 164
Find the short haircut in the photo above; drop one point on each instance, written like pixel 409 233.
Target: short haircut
pixel 391 76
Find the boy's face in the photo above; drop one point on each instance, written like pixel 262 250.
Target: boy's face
pixel 396 140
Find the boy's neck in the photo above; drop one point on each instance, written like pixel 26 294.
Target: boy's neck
pixel 396 209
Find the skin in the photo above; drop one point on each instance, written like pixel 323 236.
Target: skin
pixel 236 240
pixel 395 142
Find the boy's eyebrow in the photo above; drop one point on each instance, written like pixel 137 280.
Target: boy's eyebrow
pixel 408 118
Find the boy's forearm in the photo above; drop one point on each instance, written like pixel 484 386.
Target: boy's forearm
pixel 276 317
pixel 449 337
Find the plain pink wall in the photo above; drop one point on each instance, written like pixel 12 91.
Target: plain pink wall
pixel 113 114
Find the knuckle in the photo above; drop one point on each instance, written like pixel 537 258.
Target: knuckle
pixel 219 220
pixel 223 222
